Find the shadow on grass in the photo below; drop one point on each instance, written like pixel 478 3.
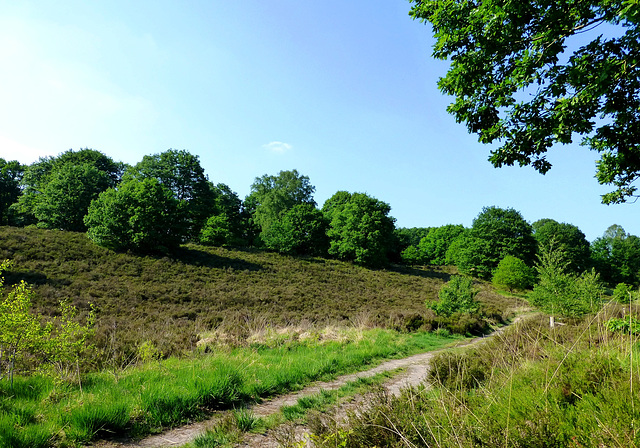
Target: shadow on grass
pixel 198 257
pixel 424 273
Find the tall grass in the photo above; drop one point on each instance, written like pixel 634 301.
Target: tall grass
pixel 571 386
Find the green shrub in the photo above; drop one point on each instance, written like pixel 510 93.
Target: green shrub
pixel 624 293
pixel 456 296
pixel 513 273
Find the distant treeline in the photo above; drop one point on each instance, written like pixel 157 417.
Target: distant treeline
pixel 166 200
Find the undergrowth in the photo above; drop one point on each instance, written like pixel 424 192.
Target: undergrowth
pixel 575 385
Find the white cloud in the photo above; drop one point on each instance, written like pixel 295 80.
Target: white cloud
pixel 278 147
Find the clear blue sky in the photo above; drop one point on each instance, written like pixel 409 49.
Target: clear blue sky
pixel 343 91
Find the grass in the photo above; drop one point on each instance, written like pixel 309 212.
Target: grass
pixel 571 386
pixel 230 431
pixel 171 392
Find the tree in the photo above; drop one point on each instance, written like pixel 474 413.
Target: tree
pixel 67 195
pixel 616 256
pixel 273 196
pixel 37 176
pixel 513 273
pixel 142 216
pixel 302 230
pixel 10 176
pixel 568 238
pixel 513 82
pixel 180 173
pixel 508 233
pixel 562 293
pixel 471 255
pixel 433 247
pixel 455 296
pixel 360 228
pixel 29 343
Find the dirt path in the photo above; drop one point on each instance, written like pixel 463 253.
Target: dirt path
pixel 415 372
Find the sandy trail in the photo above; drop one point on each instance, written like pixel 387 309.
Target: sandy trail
pixel 415 367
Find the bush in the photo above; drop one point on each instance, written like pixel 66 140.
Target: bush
pixel 624 293
pixel 456 296
pixel 513 273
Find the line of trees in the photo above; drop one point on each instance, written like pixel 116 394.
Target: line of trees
pixel 166 200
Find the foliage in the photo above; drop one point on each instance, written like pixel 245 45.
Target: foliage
pixel 456 296
pixel 28 344
pixel 67 195
pixel 360 229
pixel 230 206
pixel 471 255
pixel 624 293
pixel 411 255
pixel 216 231
pixel 508 233
pixel 559 292
pixel 513 83
pixel 273 196
pixel 302 230
pixel 616 255
pixel 67 198
pixel 629 325
pixel 141 216
pixel 433 246
pixel 10 176
pixel 568 238
pixel 180 173
pixel 513 273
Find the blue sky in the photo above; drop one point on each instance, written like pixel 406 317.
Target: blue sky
pixel 343 91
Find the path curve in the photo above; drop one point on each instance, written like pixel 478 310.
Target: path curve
pixel 416 371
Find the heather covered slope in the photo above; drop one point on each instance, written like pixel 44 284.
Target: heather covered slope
pixel 171 301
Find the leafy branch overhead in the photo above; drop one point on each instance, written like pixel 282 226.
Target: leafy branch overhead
pixel 516 80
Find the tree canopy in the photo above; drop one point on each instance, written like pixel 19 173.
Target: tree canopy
pixel 360 228
pixel 10 176
pixel 180 173
pixel 522 78
pixel 568 238
pixel 273 196
pixel 141 216
pixel 65 196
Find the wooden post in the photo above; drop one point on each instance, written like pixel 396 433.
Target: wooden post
pixel 552 321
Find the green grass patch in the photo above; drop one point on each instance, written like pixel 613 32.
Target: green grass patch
pixel 167 393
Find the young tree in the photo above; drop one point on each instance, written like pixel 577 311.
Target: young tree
pixel 566 237
pixel 360 228
pixel 513 83
pixel 455 296
pixel 142 216
pixel 28 343
pixel 561 293
pixel 513 273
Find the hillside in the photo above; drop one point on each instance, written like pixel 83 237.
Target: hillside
pixel 170 301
